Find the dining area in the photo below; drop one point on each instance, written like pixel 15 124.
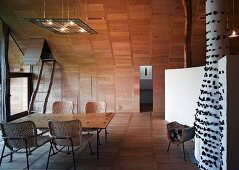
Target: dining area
pixel 62 127
pixel 130 146
pixel 118 84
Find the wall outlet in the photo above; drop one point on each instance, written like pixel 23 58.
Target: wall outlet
pixel 120 107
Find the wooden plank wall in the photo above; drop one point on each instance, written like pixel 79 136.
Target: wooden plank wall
pixel 117 86
pixel 56 92
pixel 132 33
pixel 106 66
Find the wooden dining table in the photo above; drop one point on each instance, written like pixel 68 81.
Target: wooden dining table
pixel 97 121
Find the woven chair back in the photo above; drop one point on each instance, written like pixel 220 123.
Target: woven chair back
pixel 62 107
pixel 100 107
pixel 26 129
pixel 95 107
pixel 178 133
pixel 90 107
pixel 66 129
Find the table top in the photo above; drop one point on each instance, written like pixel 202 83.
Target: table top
pixel 89 120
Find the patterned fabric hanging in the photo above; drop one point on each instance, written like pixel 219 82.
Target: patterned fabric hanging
pixel 209 121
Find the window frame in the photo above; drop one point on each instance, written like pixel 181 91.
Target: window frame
pixel 30 87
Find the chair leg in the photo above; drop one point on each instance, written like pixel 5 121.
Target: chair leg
pixel 184 152
pixel 73 155
pixel 68 150
pixel 11 155
pixel 29 152
pixel 2 153
pixel 49 154
pixel 27 158
pixel 91 152
pixel 168 146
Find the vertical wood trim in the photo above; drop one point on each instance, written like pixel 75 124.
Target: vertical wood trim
pixel 187 5
pixel 5 76
pixel 115 105
pixel 79 90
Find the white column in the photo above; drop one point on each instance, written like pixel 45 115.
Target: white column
pixel 208 117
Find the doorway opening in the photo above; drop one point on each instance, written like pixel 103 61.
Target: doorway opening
pixel 146 89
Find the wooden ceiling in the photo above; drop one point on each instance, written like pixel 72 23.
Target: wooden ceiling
pixel 130 32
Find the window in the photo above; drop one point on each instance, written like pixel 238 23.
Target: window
pixel 20 81
pixel 19 94
pixel 20 91
pixel 17 82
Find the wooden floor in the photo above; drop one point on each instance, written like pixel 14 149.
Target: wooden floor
pixel 137 141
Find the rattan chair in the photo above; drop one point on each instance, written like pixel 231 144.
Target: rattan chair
pixel 22 138
pixel 90 107
pixel 62 107
pixel 178 134
pixel 67 134
pixel 96 107
pixel 100 107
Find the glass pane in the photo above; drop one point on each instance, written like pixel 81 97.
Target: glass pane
pixel 19 94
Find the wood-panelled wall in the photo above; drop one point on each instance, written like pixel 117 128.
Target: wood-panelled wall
pixel 118 86
pixel 56 92
pixel 106 66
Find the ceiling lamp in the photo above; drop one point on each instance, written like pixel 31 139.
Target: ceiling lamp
pixel 62 25
pixel 234 33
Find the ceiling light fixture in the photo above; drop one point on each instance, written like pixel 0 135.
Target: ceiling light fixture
pixel 234 33
pixel 63 26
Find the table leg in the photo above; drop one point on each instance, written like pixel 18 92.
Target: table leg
pixel 97 143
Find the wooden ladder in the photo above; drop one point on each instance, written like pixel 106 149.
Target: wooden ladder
pixel 36 91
